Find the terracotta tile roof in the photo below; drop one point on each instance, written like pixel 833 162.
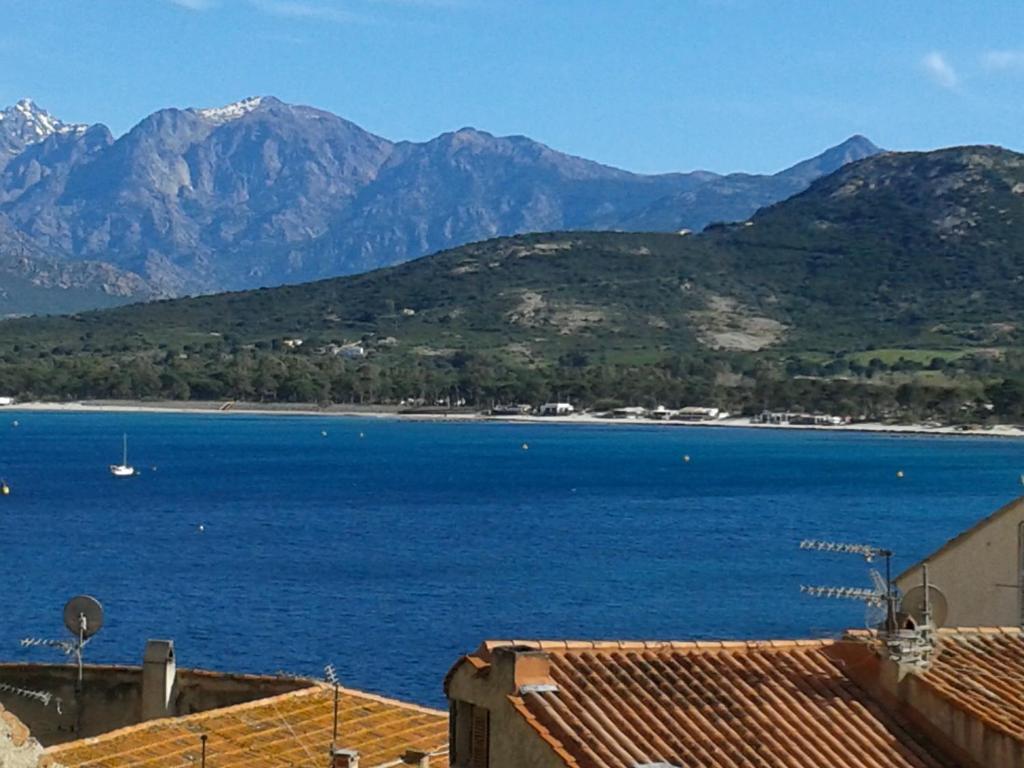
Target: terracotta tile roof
pixel 981 671
pixel 287 730
pixel 776 703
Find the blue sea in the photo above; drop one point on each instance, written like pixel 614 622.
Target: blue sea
pixel 388 547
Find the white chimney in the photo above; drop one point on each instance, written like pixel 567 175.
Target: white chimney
pixel 158 679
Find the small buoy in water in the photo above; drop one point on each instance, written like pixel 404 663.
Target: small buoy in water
pixel 200 527
pixel 323 433
pixel 5 489
pixel 152 469
pixel 526 447
pixel 15 423
pixel 362 435
pixel 686 459
pixel 899 473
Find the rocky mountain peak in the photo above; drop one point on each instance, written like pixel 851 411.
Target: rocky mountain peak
pixel 855 148
pixel 26 123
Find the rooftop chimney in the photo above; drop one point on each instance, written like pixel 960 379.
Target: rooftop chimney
pixel 521 669
pixel 417 758
pixel 344 758
pixel 158 679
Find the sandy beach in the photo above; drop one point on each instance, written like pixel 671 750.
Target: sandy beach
pixel 468 415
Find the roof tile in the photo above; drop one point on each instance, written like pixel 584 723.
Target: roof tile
pixel 716 705
pixel 277 732
pixel 982 671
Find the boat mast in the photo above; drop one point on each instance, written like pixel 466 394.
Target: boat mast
pixel 124 461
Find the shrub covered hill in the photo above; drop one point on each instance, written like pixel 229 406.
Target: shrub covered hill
pixel 894 286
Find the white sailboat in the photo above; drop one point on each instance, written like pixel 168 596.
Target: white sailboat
pixel 123 469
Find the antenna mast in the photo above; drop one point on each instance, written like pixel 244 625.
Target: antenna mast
pixel 332 677
pixel 83 617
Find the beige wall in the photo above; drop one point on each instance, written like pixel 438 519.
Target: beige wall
pixel 111 696
pixel 513 743
pixel 970 569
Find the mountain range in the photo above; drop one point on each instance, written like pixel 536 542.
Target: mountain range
pixel 262 193
pixel 911 250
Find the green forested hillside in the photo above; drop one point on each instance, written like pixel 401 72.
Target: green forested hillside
pixel 896 285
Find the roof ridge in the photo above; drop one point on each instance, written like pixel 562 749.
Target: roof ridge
pixel 978 630
pixel 654 645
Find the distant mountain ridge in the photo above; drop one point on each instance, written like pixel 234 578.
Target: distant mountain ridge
pixel 260 193
pixel 893 255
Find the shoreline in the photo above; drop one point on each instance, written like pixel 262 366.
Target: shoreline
pixel 385 412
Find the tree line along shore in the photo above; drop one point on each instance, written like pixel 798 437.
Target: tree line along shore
pixel 968 389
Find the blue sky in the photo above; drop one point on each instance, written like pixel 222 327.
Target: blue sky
pixel 648 85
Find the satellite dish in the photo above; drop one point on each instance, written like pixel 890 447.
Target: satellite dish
pixel 83 614
pixel 913 604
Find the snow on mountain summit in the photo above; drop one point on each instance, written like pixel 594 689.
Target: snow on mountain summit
pixel 226 114
pixel 30 120
pixel 25 124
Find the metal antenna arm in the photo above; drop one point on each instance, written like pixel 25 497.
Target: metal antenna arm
pixel 867 551
pixel 66 646
pixel 848 593
pixel 42 697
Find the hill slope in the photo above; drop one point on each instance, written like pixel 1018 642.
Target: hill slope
pixel 264 193
pixel 897 244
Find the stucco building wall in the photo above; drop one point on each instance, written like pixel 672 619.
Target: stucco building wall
pixel 979 572
pixel 513 743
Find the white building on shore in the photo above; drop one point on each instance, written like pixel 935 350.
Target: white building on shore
pixel 556 409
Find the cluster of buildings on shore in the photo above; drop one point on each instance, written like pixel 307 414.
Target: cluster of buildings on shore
pixel 692 413
pixel 660 413
pixel 939 684
pixel 799 418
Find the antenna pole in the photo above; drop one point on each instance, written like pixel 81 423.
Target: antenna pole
pixel 927 615
pixel 334 735
pixel 83 624
pixel 332 678
pixel 890 598
pixel 202 758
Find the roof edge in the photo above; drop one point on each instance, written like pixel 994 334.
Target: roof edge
pixel 556 646
pixel 1003 510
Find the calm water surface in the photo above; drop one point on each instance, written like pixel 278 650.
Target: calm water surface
pixel 391 553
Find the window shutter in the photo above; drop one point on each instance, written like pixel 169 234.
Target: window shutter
pixel 453 750
pixel 481 737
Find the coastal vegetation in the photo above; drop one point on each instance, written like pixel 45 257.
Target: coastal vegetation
pixel 890 289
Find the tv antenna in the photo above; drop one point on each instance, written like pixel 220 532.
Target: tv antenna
pixel 43 697
pixel 331 676
pixel 880 599
pixel 83 617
